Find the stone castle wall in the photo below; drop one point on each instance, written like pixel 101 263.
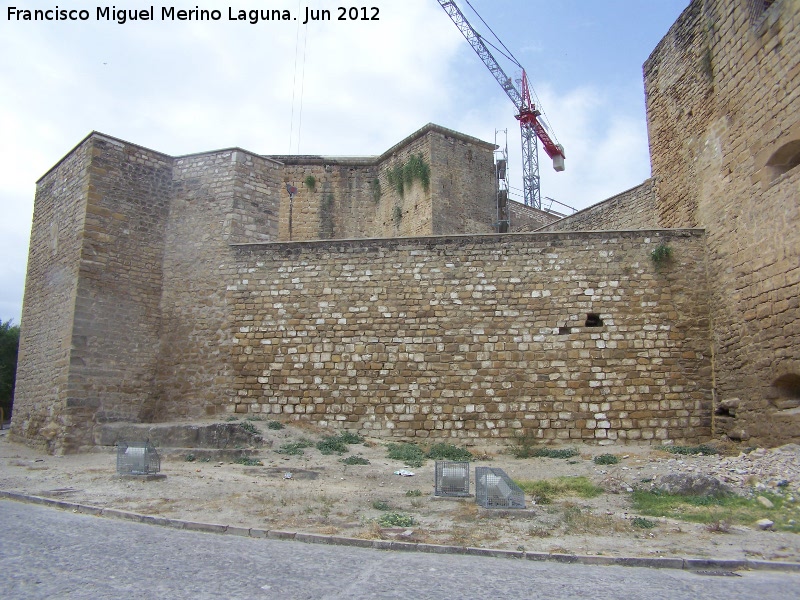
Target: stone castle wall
pixel 352 198
pixel 722 96
pixel 477 336
pixel 217 198
pixel 50 293
pixel 632 209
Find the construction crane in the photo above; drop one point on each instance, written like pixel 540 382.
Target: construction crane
pixel 528 114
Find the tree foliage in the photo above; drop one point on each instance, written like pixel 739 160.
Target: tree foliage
pixel 9 346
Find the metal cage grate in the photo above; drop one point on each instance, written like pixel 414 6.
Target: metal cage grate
pixel 137 458
pixel 452 478
pixel 495 489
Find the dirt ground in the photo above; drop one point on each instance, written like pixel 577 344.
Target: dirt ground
pixel 320 494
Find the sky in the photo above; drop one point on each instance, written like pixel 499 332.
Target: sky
pixel 336 87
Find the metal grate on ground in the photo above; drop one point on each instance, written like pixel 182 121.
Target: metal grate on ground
pixel 137 458
pixel 495 489
pixel 452 478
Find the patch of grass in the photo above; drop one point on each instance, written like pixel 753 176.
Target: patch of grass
pixel 413 493
pixel 381 505
pixel 642 523
pixel 444 451
pixel 275 425
pixel 249 462
pixel 689 450
pixel 295 448
pixel 355 460
pixel 410 454
pixel 606 459
pixel 713 509
pixel 348 437
pixel 255 418
pixel 544 491
pixel 338 443
pixel 393 519
pixel 190 458
pixel 232 418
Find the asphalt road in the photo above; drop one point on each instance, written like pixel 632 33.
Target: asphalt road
pixel 50 553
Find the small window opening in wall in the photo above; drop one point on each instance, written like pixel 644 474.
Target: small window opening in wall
pixel 593 320
pixel 786 158
pixel 564 331
pixel 788 386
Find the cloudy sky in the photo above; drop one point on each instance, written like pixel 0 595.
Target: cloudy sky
pixel 333 87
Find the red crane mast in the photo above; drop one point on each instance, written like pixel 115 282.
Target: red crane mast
pixel 531 128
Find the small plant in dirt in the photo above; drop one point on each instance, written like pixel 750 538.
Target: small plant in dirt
pixel 444 451
pixel 606 459
pixel 232 418
pixel 355 460
pixel 275 425
pixel 190 458
pixel 338 443
pixel 523 445
pixel 248 427
pixel 294 448
pixel 642 523
pixel 703 449
pixel 248 462
pixel 381 505
pixel 554 453
pixel 413 493
pixel 393 519
pixel 254 418
pixel 718 527
pixel 410 454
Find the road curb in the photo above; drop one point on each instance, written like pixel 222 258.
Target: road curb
pixel 687 564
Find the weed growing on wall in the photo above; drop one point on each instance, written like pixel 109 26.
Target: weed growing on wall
pixel 661 255
pixel 311 183
pixel 403 176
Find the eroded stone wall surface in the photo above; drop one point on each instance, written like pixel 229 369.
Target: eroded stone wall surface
pixel 563 336
pixel 218 198
pixel 352 198
pixel 49 304
pixel 632 209
pixel 722 100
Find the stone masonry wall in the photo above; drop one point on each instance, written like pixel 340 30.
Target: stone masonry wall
pixel 217 197
pixel 525 219
pixel 632 209
pixel 479 336
pixel 117 313
pixel 352 198
pixel 724 130
pixel 50 292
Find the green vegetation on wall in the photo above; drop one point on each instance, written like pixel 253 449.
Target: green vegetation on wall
pixel 401 177
pixel 311 183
